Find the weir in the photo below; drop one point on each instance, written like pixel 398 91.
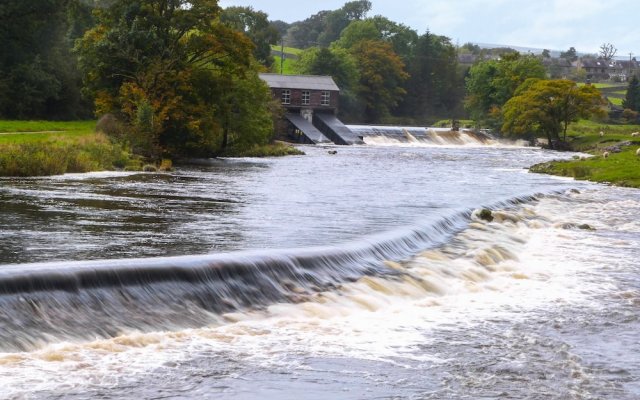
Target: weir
pixel 45 302
pixel 335 130
pixel 48 302
pixel 372 134
pixel 310 132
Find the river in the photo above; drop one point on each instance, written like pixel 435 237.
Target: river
pixel 365 274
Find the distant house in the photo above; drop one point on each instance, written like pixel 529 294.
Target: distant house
pixel 600 69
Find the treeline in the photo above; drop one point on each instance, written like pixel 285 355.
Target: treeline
pixel 38 72
pixel 388 72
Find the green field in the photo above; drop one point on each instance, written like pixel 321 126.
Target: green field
pixel 287 67
pixel 15 132
pixel 622 169
pixel 287 50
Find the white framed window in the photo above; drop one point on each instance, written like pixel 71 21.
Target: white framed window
pixel 306 97
pixel 325 98
pixel 286 96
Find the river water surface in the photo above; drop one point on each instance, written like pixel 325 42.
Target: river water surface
pixel 365 274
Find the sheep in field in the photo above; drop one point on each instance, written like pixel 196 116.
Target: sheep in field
pixel 635 134
pixel 605 154
pixel 638 152
pixel 601 134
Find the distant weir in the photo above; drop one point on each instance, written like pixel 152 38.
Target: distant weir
pixel 372 134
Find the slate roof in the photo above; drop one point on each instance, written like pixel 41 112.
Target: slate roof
pixel 310 82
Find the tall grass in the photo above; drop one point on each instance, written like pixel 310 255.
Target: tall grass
pixel 56 156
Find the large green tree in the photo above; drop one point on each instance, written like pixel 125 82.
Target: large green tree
pixel 382 76
pixel 547 107
pixel 175 76
pixel 435 85
pixel 491 83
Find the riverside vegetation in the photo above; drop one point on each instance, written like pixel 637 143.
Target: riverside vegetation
pixel 37 148
pixel 620 165
pixel 41 148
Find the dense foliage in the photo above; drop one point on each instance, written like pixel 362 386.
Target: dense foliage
pixel 175 77
pixel 492 83
pixel 38 77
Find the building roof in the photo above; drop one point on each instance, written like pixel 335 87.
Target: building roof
pixel 310 82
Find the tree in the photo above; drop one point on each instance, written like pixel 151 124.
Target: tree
pixel 356 32
pixel 356 10
pixel 256 26
pixel 382 75
pixel 174 76
pixel 569 55
pixel 607 51
pixel 341 66
pixel 547 107
pixel 402 38
pixel 632 98
pixel 546 53
pixel 491 83
pixel 38 78
pixel 435 85
pixel 325 27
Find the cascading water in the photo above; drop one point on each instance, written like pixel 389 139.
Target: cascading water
pixel 393 135
pixel 369 273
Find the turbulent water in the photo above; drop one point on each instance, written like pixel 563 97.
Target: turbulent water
pixel 366 274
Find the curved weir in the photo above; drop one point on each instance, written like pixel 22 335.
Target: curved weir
pixel 43 302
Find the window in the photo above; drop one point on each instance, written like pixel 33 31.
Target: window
pixel 306 97
pixel 326 98
pixel 286 96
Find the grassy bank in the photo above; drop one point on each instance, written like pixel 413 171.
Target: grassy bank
pixel 40 148
pixel 621 167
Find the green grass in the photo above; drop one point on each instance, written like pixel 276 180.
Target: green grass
pixel 604 85
pixel 16 132
pixel 287 66
pixel 287 50
pixel 41 126
pixel 38 148
pixel 616 100
pixel 621 169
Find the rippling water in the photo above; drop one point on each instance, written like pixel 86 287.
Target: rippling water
pixel 364 274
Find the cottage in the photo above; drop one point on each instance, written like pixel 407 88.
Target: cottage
pixel 298 93
pixel 311 104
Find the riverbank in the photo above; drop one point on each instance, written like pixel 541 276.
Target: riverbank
pixel 614 160
pixel 42 148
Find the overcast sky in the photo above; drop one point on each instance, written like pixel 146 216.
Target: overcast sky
pixel 545 24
